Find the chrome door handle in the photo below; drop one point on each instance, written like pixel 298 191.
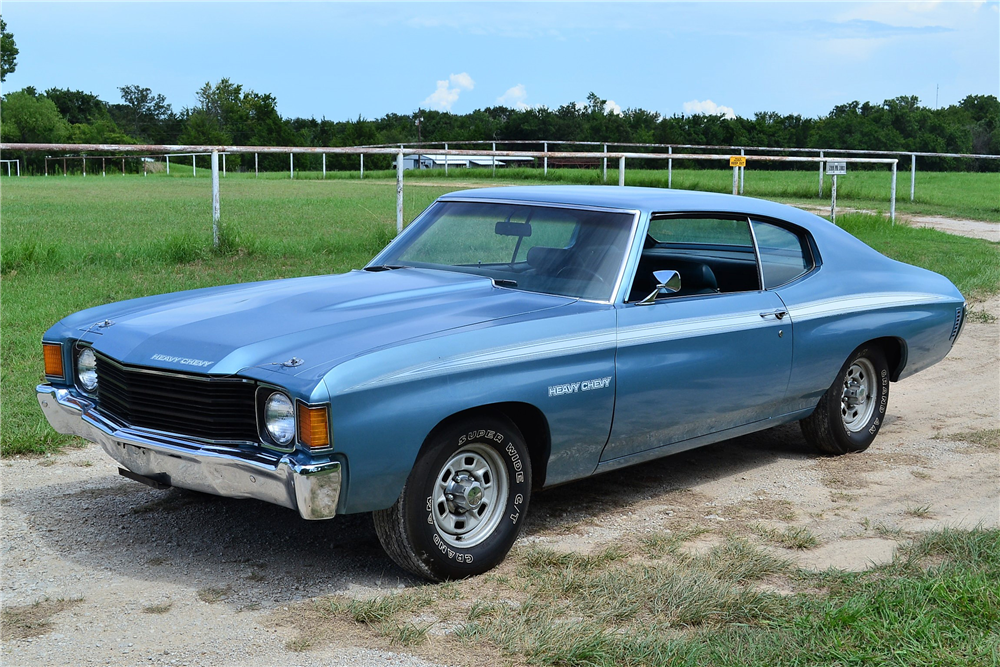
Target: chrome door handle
pixel 777 314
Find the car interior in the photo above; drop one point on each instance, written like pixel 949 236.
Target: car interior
pixel 715 256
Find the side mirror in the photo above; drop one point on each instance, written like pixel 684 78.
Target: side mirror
pixel 667 282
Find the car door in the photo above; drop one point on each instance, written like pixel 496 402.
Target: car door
pixel 714 356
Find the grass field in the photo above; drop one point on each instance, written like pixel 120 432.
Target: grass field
pixel 975 196
pixel 70 243
pixel 651 603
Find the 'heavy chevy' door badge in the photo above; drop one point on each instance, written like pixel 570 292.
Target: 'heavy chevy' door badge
pixel 575 387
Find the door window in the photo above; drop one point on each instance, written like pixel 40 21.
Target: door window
pixel 712 254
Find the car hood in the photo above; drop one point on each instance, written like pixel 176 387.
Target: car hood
pixel 319 321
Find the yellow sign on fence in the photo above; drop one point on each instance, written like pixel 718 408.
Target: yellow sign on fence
pixel 738 161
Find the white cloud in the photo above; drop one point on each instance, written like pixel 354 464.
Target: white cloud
pixel 462 81
pixel 709 108
pixel 611 107
pixel 514 97
pixel 448 90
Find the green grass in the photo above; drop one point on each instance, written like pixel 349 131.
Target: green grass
pixel 71 243
pixel 972 264
pixel 963 195
pixel 936 604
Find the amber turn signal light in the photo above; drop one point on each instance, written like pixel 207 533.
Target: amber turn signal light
pixel 53 359
pixel 314 427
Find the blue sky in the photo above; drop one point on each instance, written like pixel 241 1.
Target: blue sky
pixel 344 60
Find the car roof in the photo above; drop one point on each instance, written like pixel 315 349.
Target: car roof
pixel 647 200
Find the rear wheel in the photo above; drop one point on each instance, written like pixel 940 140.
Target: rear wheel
pixel 852 410
pixel 463 503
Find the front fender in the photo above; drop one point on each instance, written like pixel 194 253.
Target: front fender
pixel 386 403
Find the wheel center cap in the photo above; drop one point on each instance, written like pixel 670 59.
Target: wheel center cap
pixel 465 492
pixel 474 495
pixel 855 394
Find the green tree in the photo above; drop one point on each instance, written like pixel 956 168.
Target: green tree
pixel 77 106
pixel 8 51
pixel 31 118
pixel 142 113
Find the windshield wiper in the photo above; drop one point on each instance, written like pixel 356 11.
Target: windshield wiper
pixel 504 282
pixel 385 267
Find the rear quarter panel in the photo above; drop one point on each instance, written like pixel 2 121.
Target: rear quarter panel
pixel 858 295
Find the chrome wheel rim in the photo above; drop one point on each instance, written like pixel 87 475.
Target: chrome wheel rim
pixel 469 496
pixel 857 400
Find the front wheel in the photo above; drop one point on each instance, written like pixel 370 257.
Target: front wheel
pixel 852 410
pixel 463 503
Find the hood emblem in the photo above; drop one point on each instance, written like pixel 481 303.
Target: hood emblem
pixel 184 361
pixel 293 362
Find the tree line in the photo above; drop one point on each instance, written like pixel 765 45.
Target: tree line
pixel 228 113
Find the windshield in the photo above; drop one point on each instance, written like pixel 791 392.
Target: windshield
pixel 570 252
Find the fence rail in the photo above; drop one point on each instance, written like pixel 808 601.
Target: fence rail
pixel 401 151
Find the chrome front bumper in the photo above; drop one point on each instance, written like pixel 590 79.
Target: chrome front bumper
pixel 312 489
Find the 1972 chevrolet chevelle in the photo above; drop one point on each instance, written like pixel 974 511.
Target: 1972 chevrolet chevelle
pixel 510 339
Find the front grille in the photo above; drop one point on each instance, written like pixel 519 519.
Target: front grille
pixel 192 405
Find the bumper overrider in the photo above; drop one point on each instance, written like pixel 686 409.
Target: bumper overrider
pixel 311 488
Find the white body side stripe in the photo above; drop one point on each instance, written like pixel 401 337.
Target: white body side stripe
pixel 852 304
pixel 690 327
pixel 506 354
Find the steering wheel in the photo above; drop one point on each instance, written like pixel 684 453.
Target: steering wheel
pixel 588 273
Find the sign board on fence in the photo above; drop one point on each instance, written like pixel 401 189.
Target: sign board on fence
pixel 836 168
pixel 737 161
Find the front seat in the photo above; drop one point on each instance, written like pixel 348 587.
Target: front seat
pixel 697 278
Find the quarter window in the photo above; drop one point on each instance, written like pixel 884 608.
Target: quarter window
pixel 784 255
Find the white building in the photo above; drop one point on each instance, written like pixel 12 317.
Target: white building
pixel 436 161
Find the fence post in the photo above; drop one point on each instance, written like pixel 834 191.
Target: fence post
pixel 736 180
pixel 215 199
pixel 833 201
pixel 670 167
pixel 291 165
pixel 324 166
pixel 399 191
pixel 494 159
pixel 194 165
pixel 168 165
pixel 362 165
pixel 144 165
pixel 123 166
pixel 8 170
pixel 892 201
pixel 64 166
pixel 743 173
pixel 545 160
pixel 84 161
pixel 820 195
pixel 18 163
pixel 621 171
pixel 104 170
pixel 605 164
pixel 223 165
pixel 46 166
pixel 255 170
pixel 913 175
pixel 446 160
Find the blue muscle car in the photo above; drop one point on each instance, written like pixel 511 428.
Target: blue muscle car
pixel 509 340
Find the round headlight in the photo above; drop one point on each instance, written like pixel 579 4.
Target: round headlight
pixel 86 369
pixel 279 418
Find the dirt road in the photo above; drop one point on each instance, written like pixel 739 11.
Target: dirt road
pixel 125 575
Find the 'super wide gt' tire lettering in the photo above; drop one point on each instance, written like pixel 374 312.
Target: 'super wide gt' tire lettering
pixel 830 428
pixel 443 503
